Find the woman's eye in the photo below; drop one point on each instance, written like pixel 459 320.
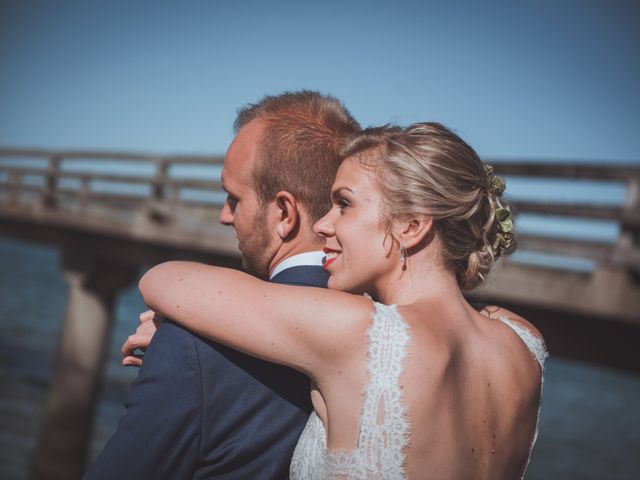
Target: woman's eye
pixel 342 204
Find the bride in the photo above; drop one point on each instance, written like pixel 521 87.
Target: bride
pixel 408 380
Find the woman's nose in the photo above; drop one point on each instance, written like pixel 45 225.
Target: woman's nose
pixel 324 226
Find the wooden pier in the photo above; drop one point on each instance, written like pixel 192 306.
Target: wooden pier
pixel 108 225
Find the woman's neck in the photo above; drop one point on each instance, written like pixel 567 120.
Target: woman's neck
pixel 414 284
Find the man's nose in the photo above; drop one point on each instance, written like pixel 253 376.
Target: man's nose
pixel 226 215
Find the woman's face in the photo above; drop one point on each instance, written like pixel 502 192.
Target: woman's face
pixel 358 251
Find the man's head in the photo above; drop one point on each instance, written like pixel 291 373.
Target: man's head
pixel 278 174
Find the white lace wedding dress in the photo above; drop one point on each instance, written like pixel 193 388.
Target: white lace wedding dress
pixel 381 445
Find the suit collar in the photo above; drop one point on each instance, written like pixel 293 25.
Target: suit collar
pixel 305 258
pixel 307 275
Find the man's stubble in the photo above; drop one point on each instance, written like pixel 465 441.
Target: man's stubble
pixel 255 249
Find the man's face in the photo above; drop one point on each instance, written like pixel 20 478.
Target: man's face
pixel 242 207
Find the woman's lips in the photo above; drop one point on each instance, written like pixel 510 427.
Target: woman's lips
pixel 330 257
pixel 327 262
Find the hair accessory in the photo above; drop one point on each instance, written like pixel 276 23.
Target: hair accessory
pixel 503 240
pixel 497 184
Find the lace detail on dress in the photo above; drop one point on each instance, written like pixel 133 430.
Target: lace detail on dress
pixel 534 343
pixel 539 351
pixel 381 444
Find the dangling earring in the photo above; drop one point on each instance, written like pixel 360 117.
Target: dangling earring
pixel 403 257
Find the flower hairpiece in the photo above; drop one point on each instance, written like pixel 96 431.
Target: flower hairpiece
pixel 504 236
pixel 504 219
pixel 497 184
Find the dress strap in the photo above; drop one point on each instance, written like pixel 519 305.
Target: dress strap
pixel 384 424
pixel 534 343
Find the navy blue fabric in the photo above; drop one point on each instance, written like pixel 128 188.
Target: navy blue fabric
pixel 201 410
pixel 302 275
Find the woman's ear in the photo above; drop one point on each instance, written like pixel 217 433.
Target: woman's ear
pixel 288 215
pixel 413 231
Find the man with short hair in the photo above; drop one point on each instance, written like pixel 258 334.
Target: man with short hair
pixel 197 408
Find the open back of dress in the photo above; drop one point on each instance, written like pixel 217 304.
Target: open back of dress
pixel 384 425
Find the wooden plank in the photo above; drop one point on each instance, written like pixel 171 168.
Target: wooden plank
pixel 199 236
pixel 21 188
pixel 605 293
pixel 564 246
pixel 104 155
pixel 609 254
pixel 88 176
pixel 24 170
pixel 604 171
pixel 195 160
pixel 213 184
pixel 109 199
pixel 142 200
pixel 579 210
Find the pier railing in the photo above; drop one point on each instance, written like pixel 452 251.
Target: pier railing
pixel 77 181
pixel 78 184
pixel 109 213
pixel 168 200
pixel 624 253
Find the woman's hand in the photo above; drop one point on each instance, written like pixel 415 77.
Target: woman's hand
pixel 140 340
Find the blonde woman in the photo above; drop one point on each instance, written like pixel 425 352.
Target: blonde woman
pixel 416 384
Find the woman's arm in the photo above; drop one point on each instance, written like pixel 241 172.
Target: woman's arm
pixel 303 327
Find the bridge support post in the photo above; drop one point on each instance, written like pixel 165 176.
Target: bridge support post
pixel 63 442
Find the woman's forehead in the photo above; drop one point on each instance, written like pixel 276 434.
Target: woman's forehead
pixel 355 176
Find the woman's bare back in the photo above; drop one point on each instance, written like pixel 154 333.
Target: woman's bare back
pixel 471 391
pixel 476 416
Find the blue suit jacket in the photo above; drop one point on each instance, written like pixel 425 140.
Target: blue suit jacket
pixel 201 410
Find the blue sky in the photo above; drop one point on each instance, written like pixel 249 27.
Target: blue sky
pixel 545 79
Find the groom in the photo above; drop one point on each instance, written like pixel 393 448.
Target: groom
pixel 198 409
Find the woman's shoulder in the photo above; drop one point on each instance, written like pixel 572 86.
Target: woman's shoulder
pixel 528 333
pixel 445 332
pixel 500 313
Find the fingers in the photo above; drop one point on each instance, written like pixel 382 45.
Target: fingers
pixel 132 361
pixel 147 316
pixel 134 342
pixel 140 339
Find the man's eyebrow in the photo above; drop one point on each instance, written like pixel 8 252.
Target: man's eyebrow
pixel 230 193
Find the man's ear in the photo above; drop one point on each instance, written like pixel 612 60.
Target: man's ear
pixel 288 214
pixel 413 231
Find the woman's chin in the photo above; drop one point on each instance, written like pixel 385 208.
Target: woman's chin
pixel 336 284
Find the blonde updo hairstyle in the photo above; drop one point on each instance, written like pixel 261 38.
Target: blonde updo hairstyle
pixel 426 169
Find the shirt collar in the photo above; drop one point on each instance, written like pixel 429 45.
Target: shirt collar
pixel 306 258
